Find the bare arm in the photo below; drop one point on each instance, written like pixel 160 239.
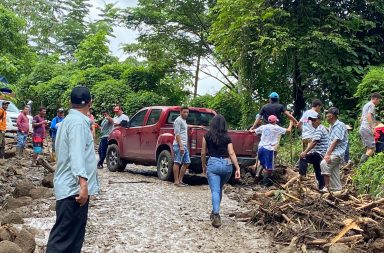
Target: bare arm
pixel 233 157
pixel 370 121
pixel 289 129
pixel 332 147
pixel 291 117
pixel 204 155
pixel 311 145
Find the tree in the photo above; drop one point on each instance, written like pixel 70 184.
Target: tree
pixel 173 34
pixel 93 51
pixel 373 81
pixel 300 49
pixel 15 55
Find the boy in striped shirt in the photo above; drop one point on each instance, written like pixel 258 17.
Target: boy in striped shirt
pixel 316 149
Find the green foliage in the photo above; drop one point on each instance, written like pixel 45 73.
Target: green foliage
pixel 93 51
pixel 201 101
pixel 225 102
pixel 136 100
pixel 373 81
pixel 369 178
pixel 107 94
pixel 141 78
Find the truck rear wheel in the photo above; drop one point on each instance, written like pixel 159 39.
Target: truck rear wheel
pixel 114 162
pixel 165 166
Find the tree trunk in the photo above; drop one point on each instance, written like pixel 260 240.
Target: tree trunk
pixel 298 91
pixel 197 75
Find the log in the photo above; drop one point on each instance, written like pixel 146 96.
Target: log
pixel 378 211
pixel 350 224
pixel 342 240
pixel 290 182
pixel 371 205
pixel 292 197
pixel 45 164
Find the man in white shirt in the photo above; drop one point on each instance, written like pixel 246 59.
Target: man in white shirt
pixel 119 116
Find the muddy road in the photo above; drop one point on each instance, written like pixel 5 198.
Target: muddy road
pixel 136 212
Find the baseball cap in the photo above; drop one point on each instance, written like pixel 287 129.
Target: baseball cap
pixel 6 102
pixel 60 110
pixel 333 110
pixel 313 115
pixel 116 109
pixel 80 95
pixel 274 95
pixel 272 119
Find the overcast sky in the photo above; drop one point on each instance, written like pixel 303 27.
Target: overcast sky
pixel 123 35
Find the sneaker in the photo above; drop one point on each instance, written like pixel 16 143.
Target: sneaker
pixel 216 222
pixel 99 166
pixel 324 190
pixel 212 216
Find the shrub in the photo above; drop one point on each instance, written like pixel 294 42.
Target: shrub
pixel 136 100
pixel 369 178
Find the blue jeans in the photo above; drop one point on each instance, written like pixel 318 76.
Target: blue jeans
pixel 219 171
pixel 21 139
pixel 103 149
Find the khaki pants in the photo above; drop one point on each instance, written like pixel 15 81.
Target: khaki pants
pixel 332 169
pixel 2 145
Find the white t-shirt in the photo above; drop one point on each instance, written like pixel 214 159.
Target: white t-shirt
pixel 307 128
pixel 118 119
pixel 270 135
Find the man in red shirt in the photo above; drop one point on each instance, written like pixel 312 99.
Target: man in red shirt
pixel 22 130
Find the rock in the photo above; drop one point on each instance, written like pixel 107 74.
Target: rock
pixel 12 218
pixel 13 203
pixel 52 207
pixel 5 234
pixel 9 247
pixel 48 181
pixel 339 248
pixel 23 188
pixel 41 193
pixel 26 241
pixel 378 245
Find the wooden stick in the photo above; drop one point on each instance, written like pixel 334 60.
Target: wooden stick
pixel 378 211
pixel 292 197
pixel 286 218
pixel 372 204
pixel 45 164
pixel 290 182
pixel 345 239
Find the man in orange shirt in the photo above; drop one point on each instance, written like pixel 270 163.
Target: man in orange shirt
pixel 3 128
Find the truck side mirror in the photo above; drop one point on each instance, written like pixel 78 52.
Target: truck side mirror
pixel 124 124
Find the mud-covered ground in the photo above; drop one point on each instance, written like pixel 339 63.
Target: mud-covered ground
pixel 136 212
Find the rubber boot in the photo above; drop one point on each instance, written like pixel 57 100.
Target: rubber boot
pixel 267 179
pixel 19 152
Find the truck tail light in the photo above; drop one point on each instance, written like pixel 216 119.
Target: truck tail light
pixel 193 144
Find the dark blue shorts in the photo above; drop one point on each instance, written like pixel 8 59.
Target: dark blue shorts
pixel 266 158
pixel 181 159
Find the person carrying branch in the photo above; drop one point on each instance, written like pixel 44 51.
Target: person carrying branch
pixel 270 137
pixel 367 127
pixel 315 150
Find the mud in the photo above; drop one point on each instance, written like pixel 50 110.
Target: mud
pixel 136 212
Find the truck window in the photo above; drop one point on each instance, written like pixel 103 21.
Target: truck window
pixel 194 118
pixel 138 119
pixel 154 117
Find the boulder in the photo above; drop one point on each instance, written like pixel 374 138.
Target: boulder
pixel 5 234
pixel 41 193
pixel 9 247
pixel 12 218
pixel 48 181
pixel 22 189
pixel 339 248
pixel 26 241
pixel 13 203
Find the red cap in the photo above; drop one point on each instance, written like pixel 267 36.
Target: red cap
pixel 116 109
pixel 272 119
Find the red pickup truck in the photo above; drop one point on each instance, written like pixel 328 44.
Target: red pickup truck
pixel 148 137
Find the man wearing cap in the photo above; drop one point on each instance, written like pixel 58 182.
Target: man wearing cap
pixel 55 125
pixel 75 176
pixel 39 124
pixel 22 123
pixel 273 108
pixel 119 116
pixel 3 128
pixel 367 127
pixel 338 140
pixel 270 136
pixel 315 150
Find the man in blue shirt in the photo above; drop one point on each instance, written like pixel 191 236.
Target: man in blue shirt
pixel 75 177
pixel 338 141
pixel 55 124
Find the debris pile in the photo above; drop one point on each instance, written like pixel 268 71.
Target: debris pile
pixel 297 215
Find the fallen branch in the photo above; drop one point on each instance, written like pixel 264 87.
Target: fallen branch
pixel 349 224
pixel 45 164
pixel 292 197
pixel 371 205
pixel 342 240
pixel 378 211
pixel 290 182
